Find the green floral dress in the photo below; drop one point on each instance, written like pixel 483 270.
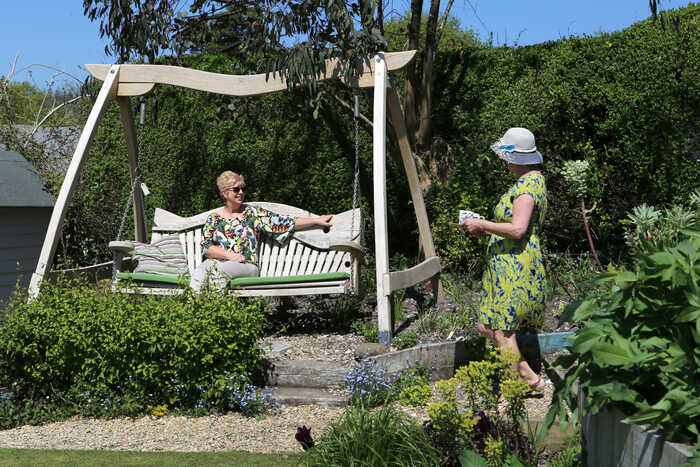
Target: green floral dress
pixel 241 234
pixel 512 294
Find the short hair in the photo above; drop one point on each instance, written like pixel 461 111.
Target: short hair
pixel 227 179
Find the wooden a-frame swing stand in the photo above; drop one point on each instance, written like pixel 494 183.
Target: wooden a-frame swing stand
pixel 120 82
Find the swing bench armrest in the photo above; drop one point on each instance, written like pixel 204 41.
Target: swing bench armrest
pixel 123 247
pixel 354 248
pixel 120 250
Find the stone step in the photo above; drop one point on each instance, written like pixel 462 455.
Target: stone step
pixel 305 373
pixel 287 395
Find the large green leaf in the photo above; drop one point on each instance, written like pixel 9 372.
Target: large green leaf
pixel 644 416
pixel 514 461
pixel 469 458
pixel 625 276
pixel 617 391
pixel 567 315
pixel 663 258
pixel 688 315
pixel 565 360
pixel 585 309
pixel 586 339
pixel 610 354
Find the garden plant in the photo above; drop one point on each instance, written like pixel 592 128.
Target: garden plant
pixel 637 348
pixel 79 349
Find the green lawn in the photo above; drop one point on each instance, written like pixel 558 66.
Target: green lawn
pixel 35 457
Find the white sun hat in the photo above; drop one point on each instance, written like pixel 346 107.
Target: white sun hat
pixel 517 146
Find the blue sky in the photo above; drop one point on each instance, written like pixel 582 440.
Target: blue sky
pixel 55 32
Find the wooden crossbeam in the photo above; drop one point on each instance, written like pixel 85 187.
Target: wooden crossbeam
pixel 136 80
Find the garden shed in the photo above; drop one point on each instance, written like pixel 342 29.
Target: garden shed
pixel 25 211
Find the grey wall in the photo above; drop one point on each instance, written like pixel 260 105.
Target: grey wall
pixel 22 232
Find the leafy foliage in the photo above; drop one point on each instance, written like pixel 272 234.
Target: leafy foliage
pixel 471 433
pixel 78 349
pixel 384 436
pixel 637 347
pixel 366 328
pixel 405 340
pixel 626 102
pixel 261 29
pixel 370 385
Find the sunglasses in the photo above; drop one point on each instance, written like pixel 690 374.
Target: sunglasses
pixel 237 189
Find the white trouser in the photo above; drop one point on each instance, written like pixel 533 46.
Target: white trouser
pixel 218 272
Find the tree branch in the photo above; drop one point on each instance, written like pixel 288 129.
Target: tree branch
pixel 443 21
pixel 350 107
pixel 51 112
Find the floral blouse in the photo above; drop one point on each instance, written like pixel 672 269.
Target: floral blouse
pixel 241 234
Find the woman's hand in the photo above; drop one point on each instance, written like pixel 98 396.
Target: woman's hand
pixel 235 257
pixel 474 227
pixel 320 221
pixel 324 221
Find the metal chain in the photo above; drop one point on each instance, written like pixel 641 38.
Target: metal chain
pixel 356 187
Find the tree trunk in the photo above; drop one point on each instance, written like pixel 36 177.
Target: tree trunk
pixel 423 130
pixel 413 81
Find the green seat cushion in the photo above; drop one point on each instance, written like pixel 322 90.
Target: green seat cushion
pixel 327 276
pixel 150 277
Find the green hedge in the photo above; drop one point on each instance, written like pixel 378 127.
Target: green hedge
pixel 627 102
pixel 76 343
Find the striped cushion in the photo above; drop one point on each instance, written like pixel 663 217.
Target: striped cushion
pixel 165 256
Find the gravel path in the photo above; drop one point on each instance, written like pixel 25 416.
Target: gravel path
pixel 274 433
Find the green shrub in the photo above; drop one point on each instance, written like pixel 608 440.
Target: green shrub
pixel 113 353
pixel 637 349
pixel 416 394
pixel 370 385
pixel 405 340
pixel 366 328
pixel 384 436
pixel 481 431
pixel 570 454
pixel 625 102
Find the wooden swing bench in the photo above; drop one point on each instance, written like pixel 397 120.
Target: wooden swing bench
pixel 311 262
pixel 336 249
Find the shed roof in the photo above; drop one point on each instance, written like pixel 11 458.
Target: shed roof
pixel 20 184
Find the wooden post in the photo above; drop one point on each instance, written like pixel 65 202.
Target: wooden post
pixel 53 232
pixel 132 153
pixel 381 237
pixel 426 237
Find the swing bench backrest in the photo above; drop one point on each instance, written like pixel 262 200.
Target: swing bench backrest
pixel 311 262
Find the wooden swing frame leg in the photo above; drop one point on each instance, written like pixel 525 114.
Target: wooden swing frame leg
pixel 387 281
pixel 108 92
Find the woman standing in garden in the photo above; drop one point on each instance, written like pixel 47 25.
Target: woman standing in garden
pixel 512 294
pixel 230 235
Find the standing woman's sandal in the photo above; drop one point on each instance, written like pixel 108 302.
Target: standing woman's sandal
pixel 538 385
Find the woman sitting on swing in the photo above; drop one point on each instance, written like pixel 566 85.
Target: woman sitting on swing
pixel 231 234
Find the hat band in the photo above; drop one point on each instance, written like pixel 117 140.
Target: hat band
pixel 513 148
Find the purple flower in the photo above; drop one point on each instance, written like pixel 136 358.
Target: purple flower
pixel 304 437
pixel 482 426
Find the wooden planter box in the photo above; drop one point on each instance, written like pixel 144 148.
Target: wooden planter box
pixel 609 442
